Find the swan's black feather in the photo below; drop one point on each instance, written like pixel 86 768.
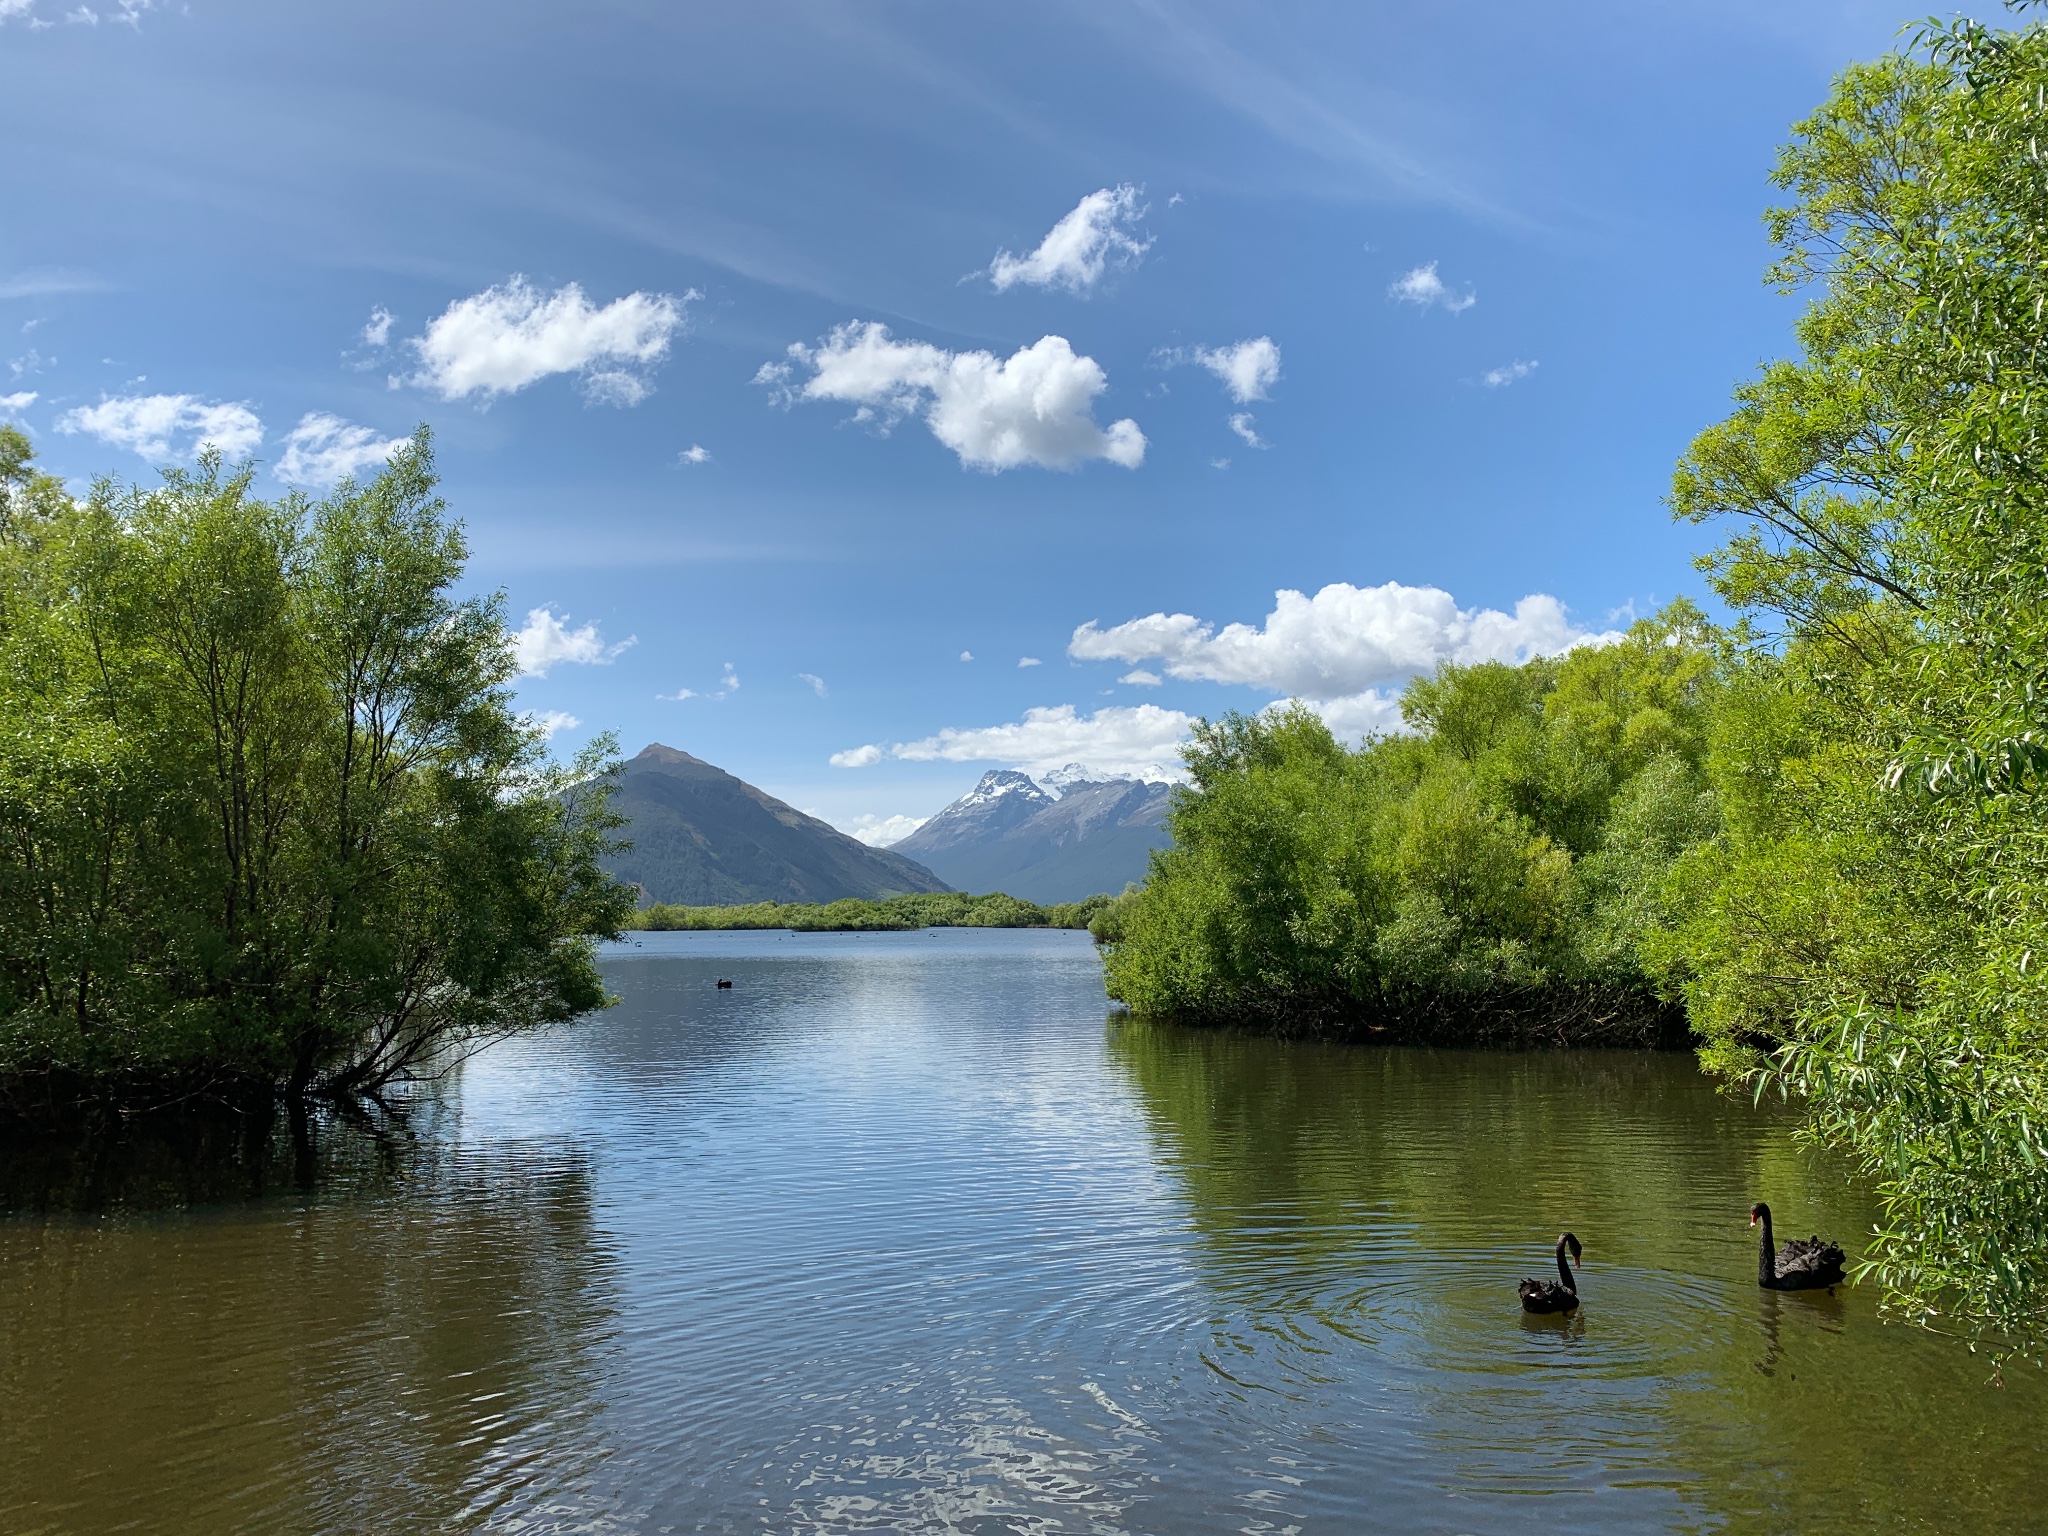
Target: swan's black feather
pixel 1812 1260
pixel 1547 1296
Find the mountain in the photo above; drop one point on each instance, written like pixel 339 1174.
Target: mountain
pixel 704 838
pixel 1011 834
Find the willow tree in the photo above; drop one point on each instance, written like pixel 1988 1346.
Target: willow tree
pixel 267 814
pixel 1869 934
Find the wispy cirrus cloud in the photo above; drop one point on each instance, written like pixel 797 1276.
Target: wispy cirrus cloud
pixel 1506 374
pixel 510 336
pixel 1099 233
pixel 167 428
pixel 1033 408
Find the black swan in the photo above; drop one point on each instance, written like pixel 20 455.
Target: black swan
pixel 1804 1264
pixel 1550 1295
pixel 724 985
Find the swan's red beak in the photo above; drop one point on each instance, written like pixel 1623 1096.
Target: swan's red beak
pixel 1752 1221
pixel 1575 1262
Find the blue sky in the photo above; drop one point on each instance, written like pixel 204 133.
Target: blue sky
pixel 1345 295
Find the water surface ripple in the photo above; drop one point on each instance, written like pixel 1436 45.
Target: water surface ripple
pixel 897 1234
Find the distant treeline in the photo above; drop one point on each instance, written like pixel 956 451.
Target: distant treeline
pixel 895 914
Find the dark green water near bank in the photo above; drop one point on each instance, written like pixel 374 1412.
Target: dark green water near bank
pixel 897 1235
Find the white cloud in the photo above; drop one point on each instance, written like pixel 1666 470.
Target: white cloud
pixel 545 642
pixel 817 683
pixel 10 9
pixel 323 448
pixel 696 453
pixel 1219 463
pixel 147 424
pixel 967 655
pixel 1138 677
pixel 730 683
pixel 507 337
pixel 1495 378
pixel 20 400
pixel 882 831
pixel 378 331
pixel 1241 424
pixel 678 696
pixel 550 721
pixel 856 757
pixel 1347 648
pixel 1029 661
pixel 1034 408
pixel 1075 251
pixel 1247 368
pixel 1141 740
pixel 1424 288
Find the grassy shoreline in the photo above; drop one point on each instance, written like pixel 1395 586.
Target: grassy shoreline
pixel 893 914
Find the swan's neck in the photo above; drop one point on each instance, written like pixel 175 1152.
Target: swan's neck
pixel 1564 1272
pixel 1766 1255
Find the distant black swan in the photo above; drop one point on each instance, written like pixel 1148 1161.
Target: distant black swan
pixel 1804 1264
pixel 1549 1295
pixel 724 985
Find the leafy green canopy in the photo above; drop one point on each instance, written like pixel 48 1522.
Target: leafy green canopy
pixel 1491 876
pixel 266 814
pixel 1866 935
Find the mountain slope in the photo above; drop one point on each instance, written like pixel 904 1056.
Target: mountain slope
pixel 1009 834
pixel 701 837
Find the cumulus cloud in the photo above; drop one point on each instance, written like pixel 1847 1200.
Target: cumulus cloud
pixel 1142 741
pixel 1423 288
pixel 696 453
pixel 1033 408
pixel 1497 378
pixel 1247 368
pixel 1347 648
pixel 162 428
pixel 1241 424
pixel 967 655
pixel 549 721
pixel 20 400
pixel 1138 677
pixel 378 330
pixel 817 683
pixel 882 831
pixel 1075 252
pixel 1029 661
pixel 323 448
pixel 856 757
pixel 501 340
pixel 545 642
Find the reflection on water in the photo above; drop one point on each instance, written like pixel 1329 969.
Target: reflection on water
pixel 895 1235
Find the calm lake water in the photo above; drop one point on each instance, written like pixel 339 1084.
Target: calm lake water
pixel 897 1234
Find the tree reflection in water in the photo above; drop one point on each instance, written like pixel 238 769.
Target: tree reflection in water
pixel 1391 1199
pixel 224 1324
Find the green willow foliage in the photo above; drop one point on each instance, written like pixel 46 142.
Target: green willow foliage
pixel 1491 877
pixel 1867 936
pixel 267 818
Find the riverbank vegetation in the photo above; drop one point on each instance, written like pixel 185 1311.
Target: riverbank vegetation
pixel 1825 831
pixel 268 820
pixel 950 909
